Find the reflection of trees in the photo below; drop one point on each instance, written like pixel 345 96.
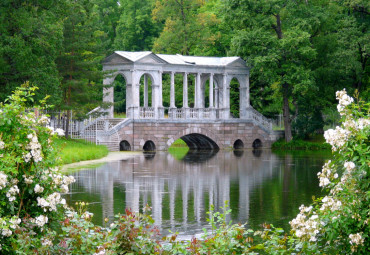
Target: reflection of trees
pixel 180 192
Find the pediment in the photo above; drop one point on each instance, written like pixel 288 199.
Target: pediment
pixel 151 59
pixel 239 63
pixel 115 59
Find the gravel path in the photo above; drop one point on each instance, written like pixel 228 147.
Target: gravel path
pixel 112 156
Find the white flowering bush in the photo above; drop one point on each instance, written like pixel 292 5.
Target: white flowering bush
pixel 30 181
pixel 339 222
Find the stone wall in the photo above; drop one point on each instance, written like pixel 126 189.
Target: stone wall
pixel 224 134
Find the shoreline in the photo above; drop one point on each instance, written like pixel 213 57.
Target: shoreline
pixel 112 156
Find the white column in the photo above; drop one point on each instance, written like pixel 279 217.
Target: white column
pixel 146 96
pixel 211 91
pixel 226 97
pixel 172 99
pixel 185 91
pixel 135 94
pixel 160 91
pixel 198 89
pixel 195 92
pixel 108 94
pixel 247 85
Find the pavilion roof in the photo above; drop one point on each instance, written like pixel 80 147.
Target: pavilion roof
pixel 179 59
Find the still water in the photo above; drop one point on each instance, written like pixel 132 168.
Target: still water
pixel 261 186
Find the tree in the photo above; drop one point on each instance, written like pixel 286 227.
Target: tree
pixel 31 34
pixel 108 14
pixel 275 38
pixel 78 63
pixel 186 27
pixel 136 30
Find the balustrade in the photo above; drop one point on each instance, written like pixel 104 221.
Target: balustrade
pixel 146 113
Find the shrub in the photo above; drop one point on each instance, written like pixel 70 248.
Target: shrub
pixel 30 181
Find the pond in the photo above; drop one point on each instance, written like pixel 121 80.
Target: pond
pixel 261 186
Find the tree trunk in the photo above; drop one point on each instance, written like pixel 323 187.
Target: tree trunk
pixel 286 114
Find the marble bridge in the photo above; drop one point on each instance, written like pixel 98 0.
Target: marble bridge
pixel 204 124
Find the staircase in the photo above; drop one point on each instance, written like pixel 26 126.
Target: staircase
pixel 104 132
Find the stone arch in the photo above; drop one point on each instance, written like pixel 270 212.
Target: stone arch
pixel 238 144
pixel 197 139
pixel 235 96
pixel 120 97
pixel 124 145
pixel 149 145
pixel 146 96
pixel 257 144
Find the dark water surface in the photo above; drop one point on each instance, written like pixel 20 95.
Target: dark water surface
pixel 261 186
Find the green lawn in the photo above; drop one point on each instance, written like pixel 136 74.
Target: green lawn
pixel 78 150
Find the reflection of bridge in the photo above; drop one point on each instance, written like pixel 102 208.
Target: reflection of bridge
pixel 204 124
pixel 180 193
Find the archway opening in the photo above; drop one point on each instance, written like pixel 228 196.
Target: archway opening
pixel 197 141
pixel 149 146
pixel 124 146
pixel 146 91
pixel 234 98
pixel 238 145
pixel 119 94
pixel 191 90
pixel 257 144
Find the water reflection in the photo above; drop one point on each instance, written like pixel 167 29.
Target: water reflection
pixel 261 187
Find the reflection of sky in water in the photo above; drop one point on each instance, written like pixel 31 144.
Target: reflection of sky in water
pixel 261 187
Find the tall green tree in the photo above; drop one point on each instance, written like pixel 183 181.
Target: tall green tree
pixel 108 14
pixel 79 61
pixel 186 26
pixel 275 38
pixel 136 31
pixel 31 35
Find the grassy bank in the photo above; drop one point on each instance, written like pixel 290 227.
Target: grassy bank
pixel 313 145
pixel 78 150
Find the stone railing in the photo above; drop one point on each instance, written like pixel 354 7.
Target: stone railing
pixel 259 118
pixel 193 113
pixel 146 113
pixel 176 113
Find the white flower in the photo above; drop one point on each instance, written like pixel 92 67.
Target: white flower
pixel 328 203
pixel 6 232
pixel 44 120
pixel 349 166
pixel 59 131
pixel 2 145
pixel 35 149
pixel 336 137
pixel 14 222
pixel 3 180
pixel 38 189
pixel 64 188
pixel 28 180
pixel 11 192
pixel 46 242
pixel 344 100
pixel 41 220
pixel 356 239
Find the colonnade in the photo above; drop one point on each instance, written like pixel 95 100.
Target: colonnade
pixel 219 95
pixel 218 70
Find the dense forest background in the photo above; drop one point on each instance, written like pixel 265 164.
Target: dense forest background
pixel 300 51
